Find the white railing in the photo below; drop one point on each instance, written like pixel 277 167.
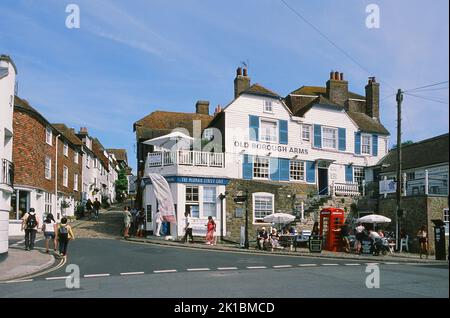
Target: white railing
pixel 186 158
pixel 345 189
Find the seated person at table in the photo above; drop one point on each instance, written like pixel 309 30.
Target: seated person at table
pixel 275 239
pixel 380 233
pixel 292 230
pixel 286 231
pixel 263 238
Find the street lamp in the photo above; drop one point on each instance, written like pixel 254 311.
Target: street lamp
pixel 222 197
pixel 239 199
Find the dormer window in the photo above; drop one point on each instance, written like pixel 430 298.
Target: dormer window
pixel 268 108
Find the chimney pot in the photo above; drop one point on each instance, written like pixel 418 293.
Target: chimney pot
pixel 239 71
pixel 341 76
pixel 245 72
pixel 336 76
pixel 331 75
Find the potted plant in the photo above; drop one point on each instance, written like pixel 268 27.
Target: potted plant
pixel 64 205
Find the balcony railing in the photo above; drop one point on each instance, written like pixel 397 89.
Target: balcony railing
pixel 7 173
pixel 186 158
pixel 345 189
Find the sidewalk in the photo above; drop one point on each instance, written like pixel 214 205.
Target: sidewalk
pixel 234 247
pixel 20 263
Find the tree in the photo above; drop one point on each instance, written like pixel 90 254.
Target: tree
pixel 405 143
pixel 121 185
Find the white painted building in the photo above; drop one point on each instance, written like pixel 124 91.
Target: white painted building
pixel 8 74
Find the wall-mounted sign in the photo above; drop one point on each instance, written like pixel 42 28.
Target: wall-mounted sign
pixel 196 180
pixel 270 147
pixel 388 186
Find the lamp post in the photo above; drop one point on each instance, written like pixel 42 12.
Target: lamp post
pixel 241 198
pixel 222 197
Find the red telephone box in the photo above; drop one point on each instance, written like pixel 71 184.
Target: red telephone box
pixel 331 221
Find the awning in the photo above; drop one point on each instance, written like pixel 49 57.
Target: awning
pixel 176 138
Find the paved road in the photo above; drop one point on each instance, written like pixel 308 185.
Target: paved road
pixel 116 268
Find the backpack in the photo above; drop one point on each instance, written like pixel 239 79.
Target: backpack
pixel 63 231
pixel 31 221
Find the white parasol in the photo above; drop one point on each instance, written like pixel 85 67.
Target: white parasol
pixel 168 141
pixel 279 218
pixel 374 218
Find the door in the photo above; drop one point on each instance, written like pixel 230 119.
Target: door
pixel 323 181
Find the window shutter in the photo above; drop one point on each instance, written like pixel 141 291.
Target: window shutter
pixel 284 169
pixel 357 143
pixel 283 129
pixel 253 128
pixel 247 167
pixel 342 141
pixel 317 136
pixel 274 169
pixel 310 171
pixel 374 145
pixel 348 173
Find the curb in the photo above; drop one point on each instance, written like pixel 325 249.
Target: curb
pixel 38 269
pixel 318 255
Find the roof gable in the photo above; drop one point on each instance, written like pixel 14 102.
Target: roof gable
pixel 367 124
pixel 258 89
pixel 320 90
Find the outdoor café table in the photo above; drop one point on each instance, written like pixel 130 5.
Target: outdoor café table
pixel 288 238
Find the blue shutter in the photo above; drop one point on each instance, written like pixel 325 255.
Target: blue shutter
pixel 357 143
pixel 374 145
pixel 310 171
pixel 247 167
pixel 254 128
pixel 283 129
pixel 274 169
pixel 342 141
pixel 284 166
pixel 317 136
pixel 348 173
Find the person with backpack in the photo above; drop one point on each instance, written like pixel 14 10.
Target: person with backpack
pixel 49 228
pixel 65 234
pixel 96 207
pixel 89 207
pixel 30 224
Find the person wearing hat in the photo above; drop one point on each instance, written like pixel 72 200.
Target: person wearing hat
pixel 30 224
pixel 263 238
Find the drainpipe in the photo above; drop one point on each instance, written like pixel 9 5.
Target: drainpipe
pixel 56 174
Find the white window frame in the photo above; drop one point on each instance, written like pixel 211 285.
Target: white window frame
pixel 48 168
pixel 293 163
pixel 255 176
pixel 48 203
pixel 65 176
pixel 66 149
pixel 268 107
pixel 88 163
pixel 75 157
pixel 193 202
pixel 269 120
pixel 445 217
pixel 306 128
pixel 356 177
pixel 369 137
pixel 212 202
pixel 75 182
pixel 336 140
pixel 49 135
pixel 255 197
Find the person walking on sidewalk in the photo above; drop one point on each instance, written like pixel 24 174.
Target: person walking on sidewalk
pixel 96 208
pixel 140 223
pixel 188 228
pixel 49 228
pixel 65 234
pixel 359 236
pixel 422 236
pixel 89 207
pixel 127 221
pixel 158 220
pixel 211 230
pixel 30 224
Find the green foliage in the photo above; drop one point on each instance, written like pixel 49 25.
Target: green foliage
pixel 121 185
pixel 405 143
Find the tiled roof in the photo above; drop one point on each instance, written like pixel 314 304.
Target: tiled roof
pixel 68 134
pixel 367 124
pixel 97 149
pixel 165 122
pixel 120 154
pixel 319 90
pixel 257 89
pixel 322 100
pixel 420 154
pixel 24 105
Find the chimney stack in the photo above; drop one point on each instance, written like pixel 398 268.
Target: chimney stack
pixel 373 99
pixel 217 110
pixel 337 88
pixel 241 82
pixel 202 107
pixel 83 130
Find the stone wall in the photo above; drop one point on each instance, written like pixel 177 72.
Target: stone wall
pixel 418 211
pixel 284 201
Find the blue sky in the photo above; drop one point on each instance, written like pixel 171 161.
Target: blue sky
pixel 130 58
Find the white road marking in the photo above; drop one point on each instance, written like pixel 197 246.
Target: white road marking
pixel 96 275
pixel 352 264
pixel 372 263
pixel 165 271
pixel 56 278
pixel 132 273
pixel 391 263
pixel 306 265
pixel 226 268
pixel 329 264
pixel 197 269
pixel 282 266
pixel 19 281
pixel 256 267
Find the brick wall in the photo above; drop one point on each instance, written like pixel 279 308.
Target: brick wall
pixel 73 168
pixel 29 152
